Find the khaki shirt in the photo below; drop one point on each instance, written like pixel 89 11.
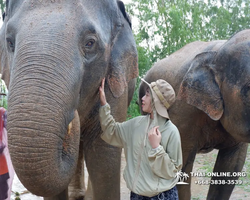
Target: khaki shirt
pixel 148 172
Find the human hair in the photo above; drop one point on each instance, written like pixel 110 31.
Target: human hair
pixel 148 89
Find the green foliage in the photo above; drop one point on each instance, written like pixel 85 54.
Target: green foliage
pixel 3 94
pixel 166 26
pixel 144 64
pixel 17 196
pixel 2 4
pixel 133 109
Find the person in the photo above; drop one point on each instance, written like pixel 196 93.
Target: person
pixel 151 143
pixel 4 171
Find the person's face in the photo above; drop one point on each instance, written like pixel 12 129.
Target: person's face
pixel 146 102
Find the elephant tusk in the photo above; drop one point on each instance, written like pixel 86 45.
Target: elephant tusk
pixel 69 128
pixel 73 129
pixel 68 136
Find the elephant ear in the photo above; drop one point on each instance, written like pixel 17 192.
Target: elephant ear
pixel 200 88
pixel 124 62
pixel 125 14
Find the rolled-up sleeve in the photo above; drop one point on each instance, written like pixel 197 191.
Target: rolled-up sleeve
pixel 166 163
pixel 113 132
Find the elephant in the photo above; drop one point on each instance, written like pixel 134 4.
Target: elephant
pixel 212 108
pixel 54 55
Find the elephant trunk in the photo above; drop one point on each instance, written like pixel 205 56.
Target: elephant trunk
pixel 43 123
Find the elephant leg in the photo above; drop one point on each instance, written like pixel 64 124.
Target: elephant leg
pixel 62 196
pixel 103 163
pixel 184 191
pixel 228 160
pixel 77 185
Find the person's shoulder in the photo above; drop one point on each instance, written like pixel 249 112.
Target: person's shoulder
pixel 171 124
pixel 170 127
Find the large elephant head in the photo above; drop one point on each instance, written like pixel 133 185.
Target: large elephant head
pixel 219 84
pixel 54 55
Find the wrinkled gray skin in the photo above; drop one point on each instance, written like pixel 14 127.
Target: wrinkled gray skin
pixel 212 110
pixel 54 55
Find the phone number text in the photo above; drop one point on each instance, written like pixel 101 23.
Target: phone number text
pixel 219 182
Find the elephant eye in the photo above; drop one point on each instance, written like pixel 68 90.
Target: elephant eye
pixel 90 43
pixel 10 44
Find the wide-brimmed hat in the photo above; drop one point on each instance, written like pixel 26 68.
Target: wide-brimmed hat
pixel 163 96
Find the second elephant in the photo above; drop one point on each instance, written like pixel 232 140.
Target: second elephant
pixel 212 80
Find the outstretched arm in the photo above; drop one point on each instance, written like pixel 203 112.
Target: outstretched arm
pixel 102 93
pixel 111 132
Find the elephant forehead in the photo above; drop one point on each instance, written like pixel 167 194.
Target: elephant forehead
pixel 75 16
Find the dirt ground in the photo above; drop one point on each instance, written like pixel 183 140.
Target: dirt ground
pixel 198 191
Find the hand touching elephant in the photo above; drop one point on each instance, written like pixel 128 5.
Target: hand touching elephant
pixel 213 106
pixel 54 55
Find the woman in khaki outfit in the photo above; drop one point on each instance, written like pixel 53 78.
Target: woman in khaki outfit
pixel 151 143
